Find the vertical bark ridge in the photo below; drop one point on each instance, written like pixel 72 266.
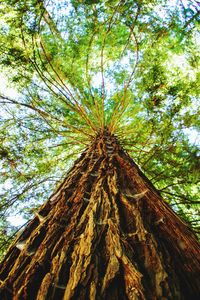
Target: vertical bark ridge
pixel 167 227
pixel 105 233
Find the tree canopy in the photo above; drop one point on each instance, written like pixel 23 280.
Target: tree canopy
pixel 75 67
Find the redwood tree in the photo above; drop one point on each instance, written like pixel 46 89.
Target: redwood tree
pixel 105 233
pixel 112 84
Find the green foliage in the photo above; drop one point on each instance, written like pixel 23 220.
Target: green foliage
pixel 74 67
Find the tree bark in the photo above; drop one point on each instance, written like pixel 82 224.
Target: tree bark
pixel 106 233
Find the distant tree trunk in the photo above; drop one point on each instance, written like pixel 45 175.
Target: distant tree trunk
pixel 106 233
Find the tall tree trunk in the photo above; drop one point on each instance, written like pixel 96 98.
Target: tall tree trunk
pixel 106 233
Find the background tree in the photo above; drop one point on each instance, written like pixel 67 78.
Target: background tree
pixel 78 66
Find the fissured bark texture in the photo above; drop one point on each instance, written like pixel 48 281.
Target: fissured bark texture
pixel 106 233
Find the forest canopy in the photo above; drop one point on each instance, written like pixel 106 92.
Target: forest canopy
pixel 71 68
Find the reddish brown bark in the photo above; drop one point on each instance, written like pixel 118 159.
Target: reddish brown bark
pixel 106 233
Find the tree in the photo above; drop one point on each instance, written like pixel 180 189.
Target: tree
pixel 106 233
pixel 100 76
